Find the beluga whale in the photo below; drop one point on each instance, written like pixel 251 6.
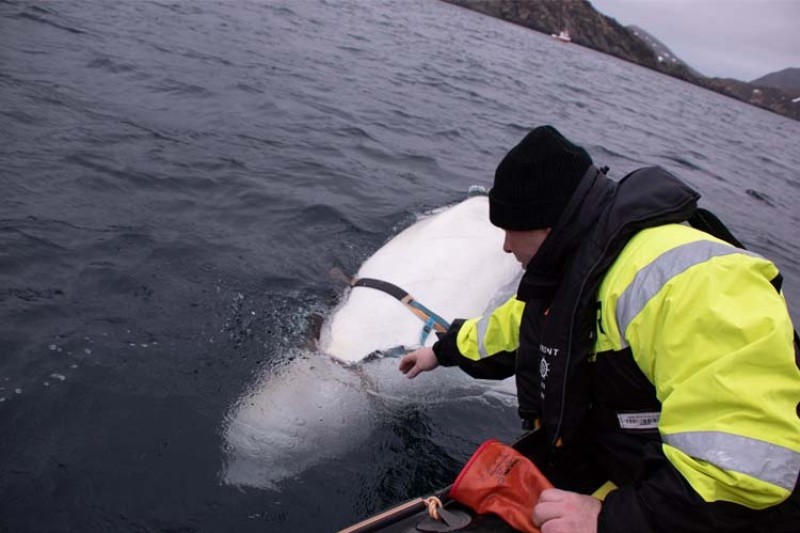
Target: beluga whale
pixel 449 264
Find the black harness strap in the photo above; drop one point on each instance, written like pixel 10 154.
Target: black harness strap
pixel 431 319
pixel 389 288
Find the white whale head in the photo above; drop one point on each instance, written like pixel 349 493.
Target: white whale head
pixel 321 404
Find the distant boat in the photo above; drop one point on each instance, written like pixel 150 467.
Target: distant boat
pixel 563 36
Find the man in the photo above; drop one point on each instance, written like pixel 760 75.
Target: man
pixel 652 354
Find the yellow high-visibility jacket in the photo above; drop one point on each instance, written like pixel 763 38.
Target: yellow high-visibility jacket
pixel 708 335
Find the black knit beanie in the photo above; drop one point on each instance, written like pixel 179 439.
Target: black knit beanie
pixel 535 180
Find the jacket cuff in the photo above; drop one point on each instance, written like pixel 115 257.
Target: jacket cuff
pixel 446 348
pixel 663 501
pixel 622 514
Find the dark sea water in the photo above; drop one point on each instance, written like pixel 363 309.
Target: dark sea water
pixel 178 178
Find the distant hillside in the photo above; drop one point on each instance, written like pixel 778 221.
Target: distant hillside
pixel 592 29
pixel 662 51
pixel 575 16
pixel 787 79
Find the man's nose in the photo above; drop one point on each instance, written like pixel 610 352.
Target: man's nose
pixel 506 247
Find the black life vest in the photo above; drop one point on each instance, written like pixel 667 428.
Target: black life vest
pixel 561 282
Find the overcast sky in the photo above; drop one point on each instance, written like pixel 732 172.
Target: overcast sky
pixel 742 39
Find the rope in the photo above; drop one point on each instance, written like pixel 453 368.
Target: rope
pixel 434 504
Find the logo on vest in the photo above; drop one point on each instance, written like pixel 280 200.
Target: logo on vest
pixel 547 350
pixel 544 368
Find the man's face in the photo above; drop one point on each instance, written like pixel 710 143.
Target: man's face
pixel 524 244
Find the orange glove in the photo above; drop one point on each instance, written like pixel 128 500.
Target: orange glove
pixel 498 479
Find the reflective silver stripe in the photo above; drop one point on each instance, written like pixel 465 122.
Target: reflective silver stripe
pixel 757 458
pixel 483 327
pixel 649 280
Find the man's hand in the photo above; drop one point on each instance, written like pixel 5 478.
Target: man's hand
pixel 560 511
pixel 418 361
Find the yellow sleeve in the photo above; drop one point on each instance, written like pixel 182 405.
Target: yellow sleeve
pixel 495 333
pixel 716 340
